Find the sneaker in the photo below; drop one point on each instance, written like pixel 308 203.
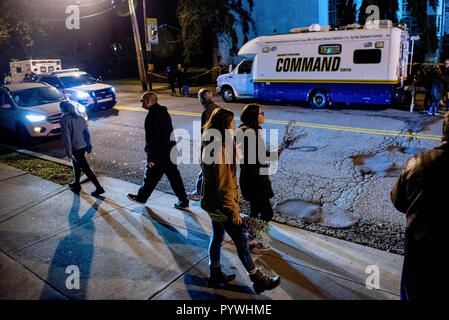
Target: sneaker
pixel 195 197
pixel 135 198
pixel 181 204
pixel 97 192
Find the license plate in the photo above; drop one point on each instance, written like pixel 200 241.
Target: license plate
pixel 104 99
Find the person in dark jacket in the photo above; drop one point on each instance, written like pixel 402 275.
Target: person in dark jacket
pixel 76 141
pixel 254 180
pixel 171 80
pixel 436 91
pixel 158 130
pixel 220 199
pixel 419 192
pixel 205 98
pixel 445 75
pixel 180 76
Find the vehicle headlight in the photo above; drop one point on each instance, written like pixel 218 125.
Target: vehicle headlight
pixel 81 108
pixel 113 89
pixel 35 117
pixel 82 95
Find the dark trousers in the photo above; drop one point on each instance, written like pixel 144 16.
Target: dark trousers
pixel 236 233
pixel 79 163
pixel 153 175
pixel 261 209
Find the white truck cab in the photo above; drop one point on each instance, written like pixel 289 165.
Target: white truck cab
pixel 238 83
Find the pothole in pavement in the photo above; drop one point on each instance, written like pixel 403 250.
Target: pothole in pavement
pixel 326 215
pixel 407 150
pixel 376 164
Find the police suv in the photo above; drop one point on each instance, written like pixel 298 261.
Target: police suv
pixel 81 87
pixel 353 64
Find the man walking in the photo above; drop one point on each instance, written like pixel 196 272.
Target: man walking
pixel 158 129
pixel 205 98
pixel 419 192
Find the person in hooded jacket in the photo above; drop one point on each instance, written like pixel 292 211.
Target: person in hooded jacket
pixel 205 98
pixel 158 130
pixel 76 141
pixel 254 180
pixel 420 193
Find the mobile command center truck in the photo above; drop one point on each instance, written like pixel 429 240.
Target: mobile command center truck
pixel 354 64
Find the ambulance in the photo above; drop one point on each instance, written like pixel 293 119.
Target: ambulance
pixel 351 64
pixel 18 69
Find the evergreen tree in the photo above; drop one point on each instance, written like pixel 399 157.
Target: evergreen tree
pixel 387 10
pixel 347 12
pixel 202 21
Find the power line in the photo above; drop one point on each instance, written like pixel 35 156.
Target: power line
pixel 83 17
pixel 71 4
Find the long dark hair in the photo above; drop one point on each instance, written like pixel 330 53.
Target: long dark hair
pixel 220 120
pixel 250 115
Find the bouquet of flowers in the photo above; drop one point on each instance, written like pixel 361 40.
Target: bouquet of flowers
pixel 291 135
pixel 256 229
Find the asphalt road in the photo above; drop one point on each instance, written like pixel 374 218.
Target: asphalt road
pixel 347 163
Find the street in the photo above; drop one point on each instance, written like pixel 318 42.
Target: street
pixel 339 175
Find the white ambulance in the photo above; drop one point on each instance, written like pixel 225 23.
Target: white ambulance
pixel 354 64
pixel 19 69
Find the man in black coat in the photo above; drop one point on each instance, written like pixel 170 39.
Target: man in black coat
pixel 158 130
pixel 420 192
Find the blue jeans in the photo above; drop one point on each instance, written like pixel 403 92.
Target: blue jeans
pixel 185 89
pixel 199 183
pixel 239 239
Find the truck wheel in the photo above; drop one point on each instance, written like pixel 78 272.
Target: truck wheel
pixel 228 94
pixel 319 100
pixel 23 135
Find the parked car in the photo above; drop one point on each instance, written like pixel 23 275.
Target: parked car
pixel 81 87
pixel 32 110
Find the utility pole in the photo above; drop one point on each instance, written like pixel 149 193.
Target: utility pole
pixel 138 44
pixel 147 48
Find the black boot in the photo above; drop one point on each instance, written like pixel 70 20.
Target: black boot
pixel 75 186
pixel 263 282
pixel 99 190
pixel 217 277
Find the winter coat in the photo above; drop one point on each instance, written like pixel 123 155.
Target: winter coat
pixel 437 87
pixel 75 135
pixel 220 192
pixel 252 183
pixel 420 192
pixel 158 130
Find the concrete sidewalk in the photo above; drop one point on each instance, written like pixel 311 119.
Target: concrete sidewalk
pixel 128 251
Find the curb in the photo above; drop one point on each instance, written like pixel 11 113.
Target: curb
pixel 37 155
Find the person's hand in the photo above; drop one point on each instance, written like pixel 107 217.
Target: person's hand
pixel 150 164
pixel 237 220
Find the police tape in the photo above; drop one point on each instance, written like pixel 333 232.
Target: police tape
pixel 194 77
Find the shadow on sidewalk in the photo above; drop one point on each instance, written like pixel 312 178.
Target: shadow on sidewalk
pixel 76 249
pixel 193 283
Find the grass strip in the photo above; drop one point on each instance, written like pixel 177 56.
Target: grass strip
pixel 48 170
